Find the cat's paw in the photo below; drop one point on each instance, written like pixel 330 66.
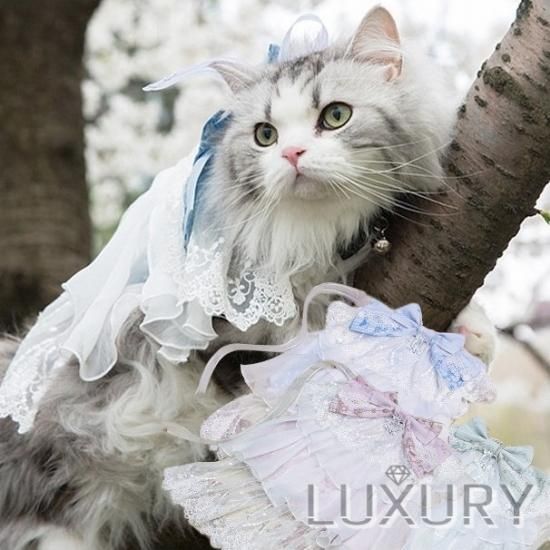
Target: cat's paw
pixel 480 333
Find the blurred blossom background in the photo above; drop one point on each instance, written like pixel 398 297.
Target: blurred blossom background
pixel 131 135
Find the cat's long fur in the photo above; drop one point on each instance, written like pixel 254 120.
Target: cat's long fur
pixel 88 473
pixel 93 461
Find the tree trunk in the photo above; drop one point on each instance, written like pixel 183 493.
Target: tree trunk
pixel 498 165
pixel 44 223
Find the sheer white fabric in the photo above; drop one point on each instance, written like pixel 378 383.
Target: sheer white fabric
pixel 146 266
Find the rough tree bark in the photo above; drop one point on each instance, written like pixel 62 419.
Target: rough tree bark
pixel 44 222
pixel 498 164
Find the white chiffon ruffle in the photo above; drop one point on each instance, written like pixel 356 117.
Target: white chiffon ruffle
pixel 144 266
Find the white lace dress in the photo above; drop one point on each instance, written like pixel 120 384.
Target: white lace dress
pixel 307 429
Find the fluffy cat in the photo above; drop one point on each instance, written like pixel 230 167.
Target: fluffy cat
pixel 315 148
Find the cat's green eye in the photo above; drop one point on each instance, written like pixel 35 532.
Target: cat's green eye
pixel 334 116
pixel 265 134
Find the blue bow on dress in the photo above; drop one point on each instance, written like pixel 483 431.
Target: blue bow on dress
pixel 446 349
pixel 512 462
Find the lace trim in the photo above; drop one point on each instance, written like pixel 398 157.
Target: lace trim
pixel 243 299
pixel 223 501
pixel 33 370
pixel 243 296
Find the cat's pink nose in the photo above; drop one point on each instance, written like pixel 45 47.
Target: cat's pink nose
pixel 292 154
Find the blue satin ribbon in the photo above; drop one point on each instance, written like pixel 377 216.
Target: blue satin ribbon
pixel 212 132
pixel 446 349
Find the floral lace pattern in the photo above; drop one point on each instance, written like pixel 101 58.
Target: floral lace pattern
pixel 404 363
pixel 243 299
pixel 236 514
pixel 32 372
pixel 454 365
pixel 33 368
pixel 341 409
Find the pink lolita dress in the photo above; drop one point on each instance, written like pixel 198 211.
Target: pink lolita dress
pixel 372 394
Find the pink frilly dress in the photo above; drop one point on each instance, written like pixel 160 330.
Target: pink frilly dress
pixel 366 401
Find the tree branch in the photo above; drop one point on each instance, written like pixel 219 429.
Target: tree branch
pixel 498 165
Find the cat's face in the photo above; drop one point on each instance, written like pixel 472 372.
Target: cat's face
pixel 317 144
pixel 310 129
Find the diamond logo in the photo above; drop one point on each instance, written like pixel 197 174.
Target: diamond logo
pixel 398 473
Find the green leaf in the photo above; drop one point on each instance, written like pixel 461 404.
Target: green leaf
pixel 545 215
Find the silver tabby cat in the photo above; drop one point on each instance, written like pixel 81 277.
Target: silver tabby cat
pixel 315 148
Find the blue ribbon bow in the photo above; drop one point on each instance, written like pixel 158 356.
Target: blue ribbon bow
pixel 446 349
pixel 211 134
pixel 512 462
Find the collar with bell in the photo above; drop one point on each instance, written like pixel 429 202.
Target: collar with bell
pixel 380 244
pixel 375 236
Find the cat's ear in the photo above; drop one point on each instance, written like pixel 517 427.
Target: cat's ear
pixel 236 75
pixel 376 40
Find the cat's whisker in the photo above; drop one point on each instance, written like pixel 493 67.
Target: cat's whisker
pixel 338 188
pixel 423 195
pixel 404 187
pixel 266 211
pixel 394 212
pixel 388 208
pixel 366 194
pixel 427 175
pixel 425 171
pixel 263 207
pixel 223 191
pixel 376 146
pixel 238 199
pixel 379 192
pixel 410 207
pixel 420 157
pixel 227 203
pixel 245 187
pixel 361 170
